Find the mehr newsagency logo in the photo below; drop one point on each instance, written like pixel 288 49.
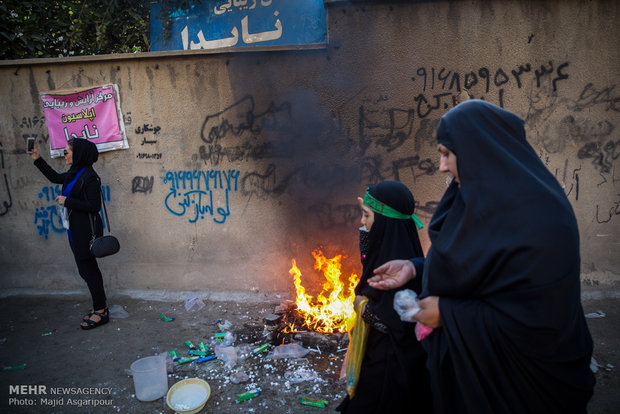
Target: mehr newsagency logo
pixel 42 395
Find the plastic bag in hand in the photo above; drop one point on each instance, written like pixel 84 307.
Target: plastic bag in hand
pixel 406 304
pixel 358 336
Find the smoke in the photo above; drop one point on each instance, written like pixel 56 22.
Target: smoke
pixel 324 164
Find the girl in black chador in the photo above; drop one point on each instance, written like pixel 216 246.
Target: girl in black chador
pixel 393 377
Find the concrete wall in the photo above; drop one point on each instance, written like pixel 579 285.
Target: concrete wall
pixel 300 134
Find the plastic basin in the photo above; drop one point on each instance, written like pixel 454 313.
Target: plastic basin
pixel 188 396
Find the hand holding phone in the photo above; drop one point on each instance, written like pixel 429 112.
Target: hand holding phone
pixel 32 149
pixel 30 141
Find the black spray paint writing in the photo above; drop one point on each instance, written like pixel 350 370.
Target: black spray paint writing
pixel 215 153
pixel 454 82
pixel 321 180
pixel 150 130
pixel 447 79
pixel 571 190
pixel 242 122
pixel 32 122
pixel 554 135
pixel 390 127
pixel 602 154
pixel 146 156
pixel 142 185
pixel 146 128
pixel 261 185
pixel 375 170
pixel 6 205
pixel 32 127
pixel 590 97
pixel 605 215
pixel 241 118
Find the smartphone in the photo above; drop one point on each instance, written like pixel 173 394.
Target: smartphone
pixel 31 144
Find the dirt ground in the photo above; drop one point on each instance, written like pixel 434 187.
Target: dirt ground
pixel 92 366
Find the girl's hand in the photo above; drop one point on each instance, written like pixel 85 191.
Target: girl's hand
pixel 357 300
pixel 61 200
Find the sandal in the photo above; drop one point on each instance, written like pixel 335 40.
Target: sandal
pixel 104 317
pixel 88 315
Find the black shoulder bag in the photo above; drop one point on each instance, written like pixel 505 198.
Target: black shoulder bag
pixel 105 245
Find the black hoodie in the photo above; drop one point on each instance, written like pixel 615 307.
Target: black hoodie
pixel 84 201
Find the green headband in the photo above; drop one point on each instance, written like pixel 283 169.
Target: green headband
pixel 381 208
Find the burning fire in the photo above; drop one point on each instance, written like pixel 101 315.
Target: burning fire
pixel 331 314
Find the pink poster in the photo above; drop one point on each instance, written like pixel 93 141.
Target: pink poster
pixel 92 114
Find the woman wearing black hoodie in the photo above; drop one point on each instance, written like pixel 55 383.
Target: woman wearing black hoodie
pixel 81 197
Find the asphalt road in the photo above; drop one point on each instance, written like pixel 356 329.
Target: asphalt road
pixel 91 368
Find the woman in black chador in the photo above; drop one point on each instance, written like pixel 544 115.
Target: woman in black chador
pixel 501 279
pixel 393 377
pixel 81 197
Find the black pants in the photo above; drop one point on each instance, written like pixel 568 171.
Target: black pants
pixel 89 270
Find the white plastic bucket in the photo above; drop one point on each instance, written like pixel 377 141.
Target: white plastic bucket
pixel 150 378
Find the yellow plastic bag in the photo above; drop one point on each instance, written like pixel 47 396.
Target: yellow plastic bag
pixel 358 336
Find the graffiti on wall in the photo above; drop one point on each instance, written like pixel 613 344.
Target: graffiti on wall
pixel 582 126
pixel 142 184
pixel 148 129
pixel 601 153
pixel 32 126
pixel 200 194
pixel 606 214
pixel 557 122
pixel 47 218
pixel 239 125
pixel 243 132
pixel 388 128
pixel 149 156
pixel 479 83
pixel 5 192
pixel 148 136
pixel 554 130
pixel 249 132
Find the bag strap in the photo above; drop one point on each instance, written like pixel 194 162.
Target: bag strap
pixel 105 212
pixel 92 228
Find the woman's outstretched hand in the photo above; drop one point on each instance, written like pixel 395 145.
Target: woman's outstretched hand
pixel 392 275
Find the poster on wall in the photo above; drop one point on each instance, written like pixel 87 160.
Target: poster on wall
pixel 217 24
pixel 93 113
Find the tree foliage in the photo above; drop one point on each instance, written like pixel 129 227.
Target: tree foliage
pixel 50 28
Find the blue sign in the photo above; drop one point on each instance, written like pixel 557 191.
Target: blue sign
pixel 216 24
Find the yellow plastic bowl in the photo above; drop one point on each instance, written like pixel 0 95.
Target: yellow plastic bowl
pixel 188 396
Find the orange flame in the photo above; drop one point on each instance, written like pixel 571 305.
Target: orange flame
pixel 334 313
pixel 290 328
